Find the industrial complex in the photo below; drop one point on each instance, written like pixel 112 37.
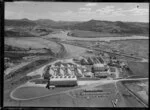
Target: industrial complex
pixel 78 69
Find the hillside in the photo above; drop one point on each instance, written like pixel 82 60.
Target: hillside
pixel 113 27
pixel 23 23
pixel 118 27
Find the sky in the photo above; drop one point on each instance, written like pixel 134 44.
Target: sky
pixel 79 11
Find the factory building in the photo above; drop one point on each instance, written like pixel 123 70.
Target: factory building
pixel 69 72
pixel 61 75
pixel 100 70
pixel 52 72
pixel 78 72
pixel 63 81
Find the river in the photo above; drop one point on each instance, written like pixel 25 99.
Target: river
pixel 63 35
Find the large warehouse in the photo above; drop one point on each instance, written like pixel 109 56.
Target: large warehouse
pixel 61 75
pixel 100 70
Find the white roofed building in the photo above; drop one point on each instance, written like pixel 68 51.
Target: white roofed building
pixel 68 65
pixel 61 71
pixel 52 72
pixel 69 72
pixel 99 67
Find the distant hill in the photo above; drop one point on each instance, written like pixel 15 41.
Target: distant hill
pixel 117 27
pixel 23 23
pixel 113 27
pixel 11 33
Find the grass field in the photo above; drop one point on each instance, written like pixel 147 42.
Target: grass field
pixel 137 47
pixel 33 43
pixel 58 100
pixel 139 88
pixel 129 100
pixel 91 34
pixel 32 92
pixel 139 68
pixel 18 77
pixel 22 49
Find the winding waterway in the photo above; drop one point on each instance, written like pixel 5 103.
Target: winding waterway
pixel 63 35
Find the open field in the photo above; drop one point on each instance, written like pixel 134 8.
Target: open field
pixel 33 43
pixel 91 34
pixel 140 69
pixel 21 78
pixel 33 92
pixel 128 98
pixel 137 47
pixel 27 49
pixel 139 89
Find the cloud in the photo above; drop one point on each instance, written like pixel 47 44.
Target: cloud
pixel 111 11
pixel 106 10
pixel 8 14
pixel 110 7
pixel 138 11
pixel 118 12
pixel 67 12
pixel 22 2
pixel 91 4
pixel 85 9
